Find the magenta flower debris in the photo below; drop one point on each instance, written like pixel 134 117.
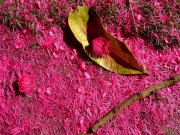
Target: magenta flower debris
pixel 69 92
pixel 100 47
pixel 26 84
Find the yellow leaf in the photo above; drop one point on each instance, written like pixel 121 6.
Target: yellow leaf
pixel 87 27
pixel 77 20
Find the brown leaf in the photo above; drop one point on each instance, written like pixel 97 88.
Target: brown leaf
pixel 118 58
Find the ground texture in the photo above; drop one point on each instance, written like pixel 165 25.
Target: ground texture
pixel 49 86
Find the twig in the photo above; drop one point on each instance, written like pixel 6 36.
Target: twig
pixel 136 97
pixel 132 14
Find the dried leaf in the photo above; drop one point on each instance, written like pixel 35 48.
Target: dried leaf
pixel 77 20
pixel 100 46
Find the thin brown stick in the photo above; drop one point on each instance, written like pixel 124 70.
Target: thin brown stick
pixel 136 97
pixel 132 14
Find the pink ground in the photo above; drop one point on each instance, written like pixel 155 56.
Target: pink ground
pixel 71 92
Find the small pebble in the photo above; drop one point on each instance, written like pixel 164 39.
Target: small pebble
pixel 82 66
pixel 86 75
pixel 49 90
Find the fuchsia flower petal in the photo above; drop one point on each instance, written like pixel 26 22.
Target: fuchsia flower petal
pixel 26 84
pixel 100 46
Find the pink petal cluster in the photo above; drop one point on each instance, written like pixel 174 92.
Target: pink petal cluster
pixel 26 84
pixel 100 47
